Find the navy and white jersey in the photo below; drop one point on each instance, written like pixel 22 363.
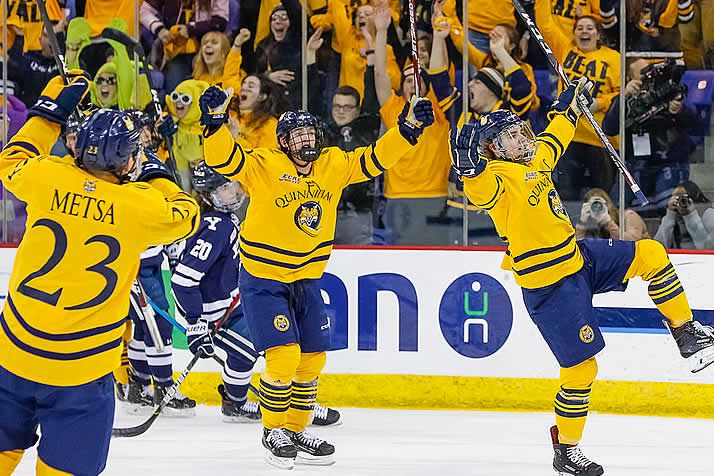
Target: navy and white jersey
pixel 205 278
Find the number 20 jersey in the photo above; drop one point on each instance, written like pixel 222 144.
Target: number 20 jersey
pixel 68 294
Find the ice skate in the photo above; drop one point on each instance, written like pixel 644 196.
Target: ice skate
pixel 325 416
pixel 569 460
pixel 312 450
pixel 235 412
pixel 179 406
pixel 138 398
pixel 281 450
pixel 695 342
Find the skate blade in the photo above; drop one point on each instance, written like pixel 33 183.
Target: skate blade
pixel 239 419
pixel 178 413
pixel 701 360
pixel 309 460
pixel 282 463
pixel 137 410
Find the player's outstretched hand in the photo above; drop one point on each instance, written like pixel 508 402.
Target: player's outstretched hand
pixel 152 168
pixel 199 337
pixel 167 127
pixel 464 151
pixel 415 117
pixel 213 103
pixel 568 101
pixel 58 100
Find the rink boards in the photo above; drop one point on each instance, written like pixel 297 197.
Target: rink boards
pixel 448 329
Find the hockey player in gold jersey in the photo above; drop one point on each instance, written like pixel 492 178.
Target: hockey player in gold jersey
pixel 507 171
pixel 62 324
pixel 286 240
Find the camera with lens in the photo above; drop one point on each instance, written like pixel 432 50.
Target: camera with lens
pixel 598 206
pixel 660 85
pixel 683 201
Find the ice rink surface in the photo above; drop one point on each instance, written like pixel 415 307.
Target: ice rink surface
pixel 415 442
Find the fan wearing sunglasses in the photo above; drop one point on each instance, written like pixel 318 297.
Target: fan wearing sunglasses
pixel 182 104
pixel 105 91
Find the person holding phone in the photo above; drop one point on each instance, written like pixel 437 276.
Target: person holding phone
pixel 683 226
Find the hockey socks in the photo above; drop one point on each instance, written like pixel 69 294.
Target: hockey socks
pixel 274 403
pixel 572 402
pixel 303 398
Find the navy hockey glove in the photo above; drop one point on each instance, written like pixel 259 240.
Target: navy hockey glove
pixel 59 100
pixel 567 102
pixel 213 103
pixel 168 126
pixel 465 160
pixel 415 117
pixel 199 337
pixel 152 168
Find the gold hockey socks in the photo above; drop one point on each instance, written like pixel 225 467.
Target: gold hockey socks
pixel 573 400
pixel 9 460
pixel 305 390
pixel 652 264
pixel 274 403
pixel 301 403
pixel 43 469
pixel 281 364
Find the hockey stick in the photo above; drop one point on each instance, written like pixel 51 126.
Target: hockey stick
pixel 140 429
pixel 182 329
pixel 132 47
pixel 614 156
pixel 415 51
pixel 148 313
pixel 52 37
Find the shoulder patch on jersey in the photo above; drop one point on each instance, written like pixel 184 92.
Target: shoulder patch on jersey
pixel 281 323
pixel 89 185
pixel 531 176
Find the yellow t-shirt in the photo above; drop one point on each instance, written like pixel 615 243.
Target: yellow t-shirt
pixel 424 171
pixel 68 294
pixel 601 66
pixel 100 12
pixel 289 227
pixel 485 14
pixel 252 135
pixel 528 213
pixel 26 15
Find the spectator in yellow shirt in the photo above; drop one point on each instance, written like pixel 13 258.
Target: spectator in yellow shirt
pixel 482 18
pixel 218 62
pixel 254 112
pixel 416 187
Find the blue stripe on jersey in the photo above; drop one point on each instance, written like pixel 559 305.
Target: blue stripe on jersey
pixel 281 264
pixel 555 140
pixel 56 355
pixel 62 337
pixel 281 251
pixel 540 251
pixel 547 264
pixel 230 158
pixel 363 165
pixel 375 161
pixel 24 145
pixel 237 170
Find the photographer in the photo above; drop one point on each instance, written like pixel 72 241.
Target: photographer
pixel 682 226
pixel 599 219
pixel 658 127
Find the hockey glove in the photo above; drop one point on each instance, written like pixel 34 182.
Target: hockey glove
pixel 213 103
pixel 167 127
pixel 59 100
pixel 199 337
pixel 152 168
pixel 415 117
pixel 568 102
pixel 465 160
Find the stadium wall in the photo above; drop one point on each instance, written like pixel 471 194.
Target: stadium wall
pixel 443 328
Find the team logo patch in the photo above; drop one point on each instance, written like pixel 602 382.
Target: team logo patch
pixel 281 323
pixel 308 217
pixel 484 120
pixel 586 334
pixel 531 176
pixel 556 205
pixel 89 186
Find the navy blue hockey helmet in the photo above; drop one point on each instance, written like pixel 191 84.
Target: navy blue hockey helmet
pixel 106 142
pixel 215 189
pixel 298 145
pixel 504 135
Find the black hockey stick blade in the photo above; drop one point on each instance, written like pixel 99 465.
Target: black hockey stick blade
pixel 119 36
pixel 558 68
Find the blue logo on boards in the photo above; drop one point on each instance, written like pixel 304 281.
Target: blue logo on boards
pixel 475 315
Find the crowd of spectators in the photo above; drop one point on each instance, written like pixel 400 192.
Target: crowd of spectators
pixel 359 73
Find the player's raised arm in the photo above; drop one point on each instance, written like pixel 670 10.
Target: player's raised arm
pixel 46 117
pixel 368 162
pixel 563 117
pixel 222 152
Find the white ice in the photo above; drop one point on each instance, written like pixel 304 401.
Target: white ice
pixel 411 442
